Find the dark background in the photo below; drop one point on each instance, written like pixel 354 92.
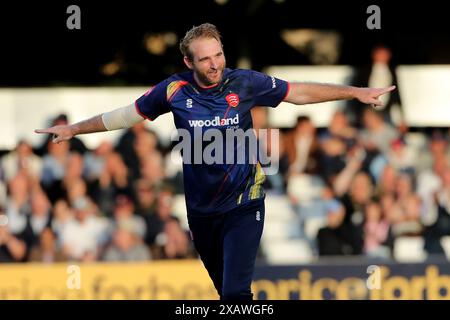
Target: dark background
pixel 37 49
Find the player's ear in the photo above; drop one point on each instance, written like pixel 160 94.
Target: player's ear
pixel 188 63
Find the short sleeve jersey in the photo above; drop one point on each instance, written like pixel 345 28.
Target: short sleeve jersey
pixel 214 188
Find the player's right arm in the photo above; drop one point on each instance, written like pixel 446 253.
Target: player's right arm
pixel 149 106
pixel 120 118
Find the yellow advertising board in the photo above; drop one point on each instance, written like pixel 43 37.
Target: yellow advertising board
pixel 184 280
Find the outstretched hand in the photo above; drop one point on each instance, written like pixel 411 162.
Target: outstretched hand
pixel 60 133
pixel 371 96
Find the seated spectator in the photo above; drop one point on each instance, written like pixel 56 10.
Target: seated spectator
pixel 18 205
pixel 302 147
pixel 125 147
pixel 124 211
pixel 377 133
pixel 339 127
pixel 405 216
pixel 441 227
pixel 338 238
pixel 344 233
pixel 127 244
pixel 114 180
pixel 146 198
pixel 12 248
pixel 429 182
pixel 62 215
pixel 54 169
pixel 401 156
pixel 40 217
pixel 84 237
pixel 377 237
pixel 165 235
pixel 46 250
pixel 386 184
pixel 21 159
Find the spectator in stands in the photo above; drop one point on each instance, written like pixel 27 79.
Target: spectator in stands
pixel 386 184
pixel 126 148
pixel 349 231
pixel 380 72
pixel 62 215
pixel 84 237
pixel 127 244
pixel 406 211
pixel 46 250
pixel 437 150
pixel 429 180
pixel 302 147
pixel 333 157
pixel 340 127
pixel 377 134
pixel 18 204
pixel 75 189
pixel 95 169
pixel 21 159
pixel 54 169
pixel 146 198
pixel 114 180
pixel 401 156
pixel 95 161
pixel 377 233
pixel 354 159
pixel 338 238
pixel 164 232
pixel 152 169
pixel 441 226
pixel 40 217
pixel 124 211
pixel 12 248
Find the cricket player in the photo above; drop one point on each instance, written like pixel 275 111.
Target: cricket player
pixel 225 201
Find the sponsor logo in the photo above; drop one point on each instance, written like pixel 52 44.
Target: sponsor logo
pixel 274 84
pixel 232 99
pixel 215 122
pixel 189 103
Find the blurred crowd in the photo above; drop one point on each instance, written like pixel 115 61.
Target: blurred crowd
pixel 355 186
pixel 368 185
pixel 64 202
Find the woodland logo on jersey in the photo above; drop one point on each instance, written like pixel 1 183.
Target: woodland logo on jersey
pixel 217 121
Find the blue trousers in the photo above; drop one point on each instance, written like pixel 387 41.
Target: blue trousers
pixel 227 245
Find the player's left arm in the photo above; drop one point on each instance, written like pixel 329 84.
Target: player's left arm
pixel 306 93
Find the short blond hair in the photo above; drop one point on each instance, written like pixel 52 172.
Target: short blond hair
pixel 205 30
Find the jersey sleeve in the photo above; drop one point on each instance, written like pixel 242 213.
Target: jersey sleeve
pixel 154 102
pixel 268 90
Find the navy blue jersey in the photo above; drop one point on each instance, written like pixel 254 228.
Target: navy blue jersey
pixel 218 187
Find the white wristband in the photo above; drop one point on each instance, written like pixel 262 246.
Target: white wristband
pixel 121 118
